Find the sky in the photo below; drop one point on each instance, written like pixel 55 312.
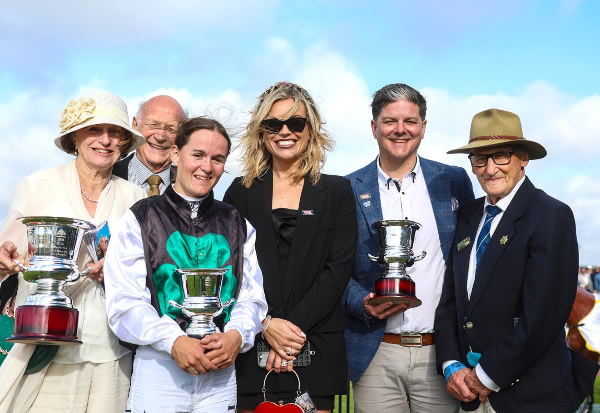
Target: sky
pixel 537 58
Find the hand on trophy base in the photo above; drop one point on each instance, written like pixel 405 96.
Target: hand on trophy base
pixel 397 290
pixel 396 299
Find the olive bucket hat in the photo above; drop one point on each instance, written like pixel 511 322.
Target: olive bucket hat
pixel 495 127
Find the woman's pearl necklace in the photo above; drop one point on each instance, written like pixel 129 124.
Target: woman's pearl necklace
pixel 87 197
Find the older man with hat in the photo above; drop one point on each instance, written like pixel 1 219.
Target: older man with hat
pixel 510 285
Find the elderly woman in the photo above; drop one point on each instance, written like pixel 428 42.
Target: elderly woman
pixel 93 376
pixel 306 233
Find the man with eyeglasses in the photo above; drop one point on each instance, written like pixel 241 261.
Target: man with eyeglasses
pixel 510 284
pixel 150 165
pixel 390 348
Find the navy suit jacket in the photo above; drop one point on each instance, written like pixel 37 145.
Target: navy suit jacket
pixel 523 292
pixel 448 187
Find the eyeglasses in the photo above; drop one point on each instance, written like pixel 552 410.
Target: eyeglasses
pixel 171 130
pixel 479 160
pixel 295 124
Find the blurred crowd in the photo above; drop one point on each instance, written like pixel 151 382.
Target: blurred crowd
pixel 589 278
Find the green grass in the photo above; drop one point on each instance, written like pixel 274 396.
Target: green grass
pixel 344 400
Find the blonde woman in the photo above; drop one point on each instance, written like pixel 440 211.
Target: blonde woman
pixel 306 233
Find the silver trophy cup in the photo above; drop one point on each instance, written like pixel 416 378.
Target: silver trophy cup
pixel 396 238
pixel 48 316
pixel 202 302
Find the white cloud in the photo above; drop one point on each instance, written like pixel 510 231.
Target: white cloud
pixel 566 126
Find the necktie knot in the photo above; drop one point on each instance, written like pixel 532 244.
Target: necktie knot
pixel 154 183
pixel 492 210
pixel 484 235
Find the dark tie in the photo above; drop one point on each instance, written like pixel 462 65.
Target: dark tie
pixel 484 236
pixel 154 182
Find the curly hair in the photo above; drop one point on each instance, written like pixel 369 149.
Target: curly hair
pixel 256 158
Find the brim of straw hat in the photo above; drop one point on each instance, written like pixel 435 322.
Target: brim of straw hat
pixel 138 138
pixel 534 149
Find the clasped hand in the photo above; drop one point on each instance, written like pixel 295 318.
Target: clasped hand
pixel 213 352
pixel 286 340
pixel 465 386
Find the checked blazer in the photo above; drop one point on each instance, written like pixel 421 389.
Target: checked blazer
pixel 448 187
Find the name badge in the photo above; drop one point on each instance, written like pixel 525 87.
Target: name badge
pixel 463 243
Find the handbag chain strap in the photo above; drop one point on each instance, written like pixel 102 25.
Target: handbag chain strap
pixel 264 388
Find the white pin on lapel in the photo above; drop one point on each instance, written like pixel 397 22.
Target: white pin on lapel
pixel 308 212
pixel 454 204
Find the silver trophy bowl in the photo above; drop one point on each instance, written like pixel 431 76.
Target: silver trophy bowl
pixel 57 241
pixel 48 316
pixel 396 239
pixel 202 302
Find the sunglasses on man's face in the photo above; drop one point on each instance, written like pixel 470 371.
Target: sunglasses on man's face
pixel 295 125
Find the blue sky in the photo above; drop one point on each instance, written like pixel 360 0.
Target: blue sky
pixel 537 58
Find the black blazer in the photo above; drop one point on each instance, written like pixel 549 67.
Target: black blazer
pixel 120 169
pixel 523 292
pixel 308 293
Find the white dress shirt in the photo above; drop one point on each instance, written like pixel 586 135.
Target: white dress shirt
pixel 412 202
pixel 133 319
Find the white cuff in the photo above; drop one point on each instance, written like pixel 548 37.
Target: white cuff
pixel 485 379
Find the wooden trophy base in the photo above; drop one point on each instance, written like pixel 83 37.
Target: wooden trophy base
pixel 397 291
pixel 37 324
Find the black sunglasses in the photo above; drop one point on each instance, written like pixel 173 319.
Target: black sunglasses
pixel 295 125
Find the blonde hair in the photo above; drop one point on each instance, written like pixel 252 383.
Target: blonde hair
pixel 257 160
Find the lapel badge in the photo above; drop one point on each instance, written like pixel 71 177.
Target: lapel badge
pixel 463 243
pixel 308 212
pixel 365 196
pixel 366 204
pixel 454 204
pixel 504 239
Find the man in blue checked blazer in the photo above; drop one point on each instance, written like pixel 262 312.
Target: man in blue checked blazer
pixel 390 347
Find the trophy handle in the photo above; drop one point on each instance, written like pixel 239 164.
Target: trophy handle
pixel 225 305
pixel 185 312
pixel 376 259
pixel 420 257
pixel 21 266
pixel 75 276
